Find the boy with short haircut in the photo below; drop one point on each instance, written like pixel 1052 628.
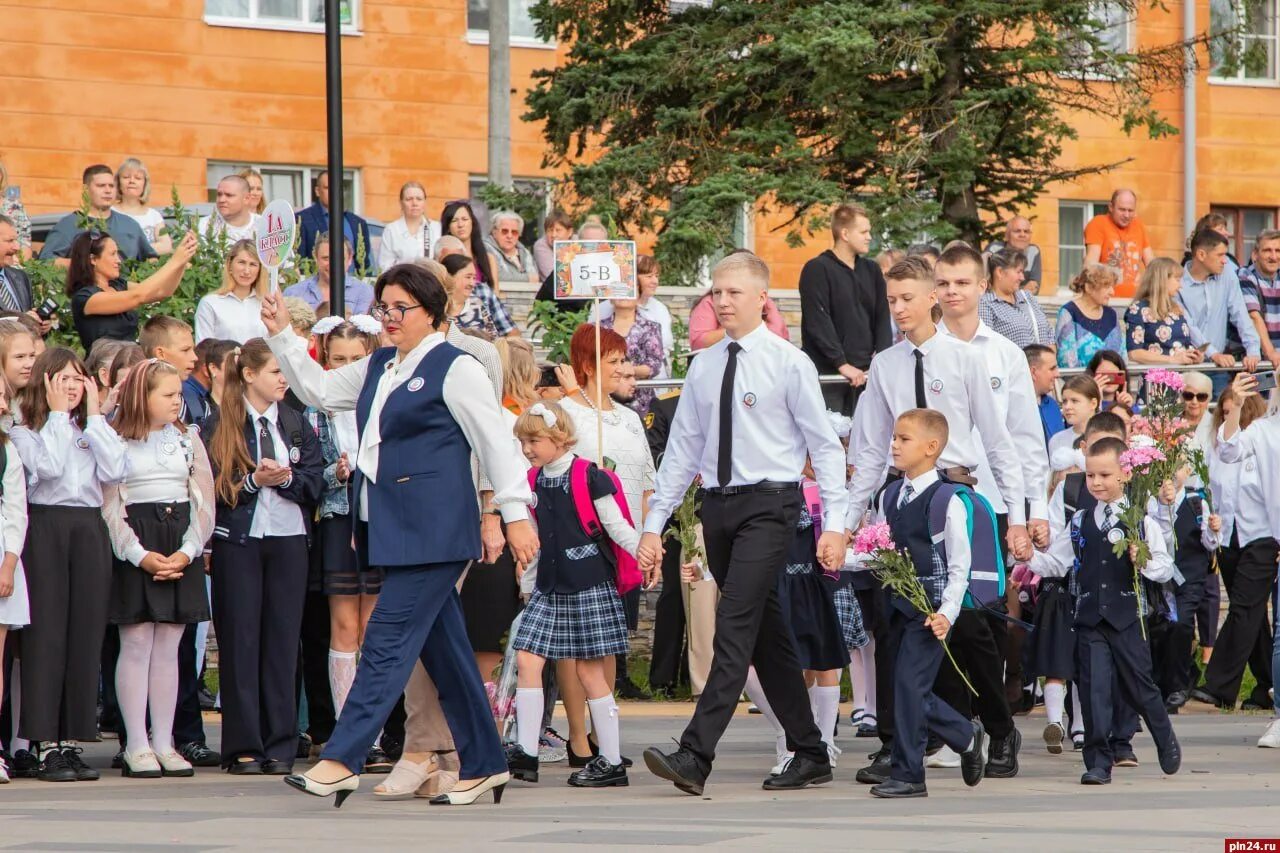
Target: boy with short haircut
pixel 171 341
pixel 919 436
pixel 1111 652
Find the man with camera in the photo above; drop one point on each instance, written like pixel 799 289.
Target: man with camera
pixel 16 296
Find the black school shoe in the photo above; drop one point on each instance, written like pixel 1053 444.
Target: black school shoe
pixel 877 771
pixel 273 767
pixel 680 767
pixel 84 773
pixel 1095 777
pixel 1003 761
pixel 377 762
pixel 892 789
pixel 1170 756
pixel 521 765
pixel 55 768
pixel 973 761
pixel 800 772
pixel 595 750
pixel 599 773
pixel 25 765
pixel 1125 758
pixel 200 755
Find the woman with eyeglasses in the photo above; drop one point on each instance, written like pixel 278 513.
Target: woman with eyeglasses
pixel 422 408
pixel 1158 329
pixel 103 303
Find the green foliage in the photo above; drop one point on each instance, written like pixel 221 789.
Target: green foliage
pixel 557 328
pixel 529 204
pixel 943 116
pixel 680 350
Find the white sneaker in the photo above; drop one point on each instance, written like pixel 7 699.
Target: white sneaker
pixel 943 758
pixel 783 760
pixel 1271 737
pixel 4 774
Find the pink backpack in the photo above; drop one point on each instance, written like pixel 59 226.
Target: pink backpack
pixel 629 576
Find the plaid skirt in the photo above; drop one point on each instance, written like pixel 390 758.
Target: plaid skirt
pixel 580 625
pixel 849 612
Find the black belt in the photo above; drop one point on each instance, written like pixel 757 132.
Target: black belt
pixel 762 487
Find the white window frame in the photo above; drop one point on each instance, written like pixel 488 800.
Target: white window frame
pixel 481 37
pixel 1129 27
pixel 1090 209
pixel 307 173
pixel 303 25
pixel 1240 79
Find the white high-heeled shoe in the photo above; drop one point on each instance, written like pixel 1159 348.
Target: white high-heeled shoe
pixel 341 789
pixel 496 783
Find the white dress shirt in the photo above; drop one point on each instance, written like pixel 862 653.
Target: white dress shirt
pixel 274 515
pixel 1225 480
pixel 233 232
pixel 66 466
pixel 479 417
pixel 400 245
pixel 487 354
pixel 158 473
pixel 13 506
pixel 227 317
pixel 778 418
pixel 1257 447
pixel 1019 407
pixel 958 385
pixel 1060 558
pixel 1165 516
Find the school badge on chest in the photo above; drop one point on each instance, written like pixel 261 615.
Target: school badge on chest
pixel 294 455
pixel 82 443
pixel 169 447
pixel 936 386
pixel 749 400
pixel 1114 535
pixel 416 383
pixel 995 383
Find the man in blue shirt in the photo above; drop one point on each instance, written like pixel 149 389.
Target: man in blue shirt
pixel 315 290
pixel 100 190
pixel 1212 298
pixel 314 221
pixel 1044 376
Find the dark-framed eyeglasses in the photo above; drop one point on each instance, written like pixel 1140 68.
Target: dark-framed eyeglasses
pixel 1197 396
pixel 392 313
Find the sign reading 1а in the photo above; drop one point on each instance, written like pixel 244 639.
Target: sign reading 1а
pixel 274 235
pixel 595 269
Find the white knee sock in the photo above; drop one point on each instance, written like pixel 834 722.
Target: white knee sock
pixel 529 708
pixel 604 722
pixel 132 676
pixel 1055 697
pixel 756 694
pixel 162 685
pixel 342 672
pixel 1077 713
pixel 826 702
pixel 862 670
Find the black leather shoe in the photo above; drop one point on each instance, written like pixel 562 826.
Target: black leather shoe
pixel 1176 699
pixel 973 761
pixel 272 767
pixel 800 772
pixel 877 771
pixel 304 747
pixel 1201 695
pixel 892 789
pixel 200 755
pixel 377 762
pixel 867 729
pixel 1125 758
pixel 245 768
pixel 1170 756
pixel 599 773
pixel 84 773
pixel 1003 760
pixel 56 768
pixel 520 764
pixel 680 767
pixel 1095 777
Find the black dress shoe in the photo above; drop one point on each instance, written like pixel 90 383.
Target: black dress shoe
pixel 245 768
pixel 1095 777
pixel 892 789
pixel 304 747
pixel 521 765
pixel 867 729
pixel 84 773
pixel 681 767
pixel 1003 760
pixel 877 771
pixel 599 773
pixel 1176 699
pixel 200 755
pixel 625 688
pixel 1201 695
pixel 973 761
pixel 392 745
pixel 272 767
pixel 576 760
pixel 1124 758
pixel 377 762
pixel 800 772
pixel 1170 756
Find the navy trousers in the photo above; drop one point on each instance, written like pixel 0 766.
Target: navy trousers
pixel 419 615
pixel 917 710
pixel 1110 660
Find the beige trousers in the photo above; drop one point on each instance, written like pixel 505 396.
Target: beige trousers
pixel 425 727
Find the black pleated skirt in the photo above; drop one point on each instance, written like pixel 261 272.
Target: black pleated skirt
pixel 808 604
pixel 1051 648
pixel 490 602
pixel 136 596
pixel 334 570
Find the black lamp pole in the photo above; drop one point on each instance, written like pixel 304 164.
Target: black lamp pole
pixel 333 99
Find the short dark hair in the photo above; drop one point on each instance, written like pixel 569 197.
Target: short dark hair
pixel 213 351
pixel 1107 422
pixel 1035 352
pixel 1108 355
pixel 1207 239
pixel 95 170
pixel 421 285
pixel 1109 444
pixel 455 264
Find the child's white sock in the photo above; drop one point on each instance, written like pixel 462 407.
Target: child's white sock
pixel 604 722
pixel 1077 713
pixel 867 668
pixel 1055 697
pixel 756 694
pixel 529 718
pixel 826 702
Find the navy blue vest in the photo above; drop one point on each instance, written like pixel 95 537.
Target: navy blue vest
pixel 1190 557
pixel 423 507
pixel 1102 582
pixel 909 525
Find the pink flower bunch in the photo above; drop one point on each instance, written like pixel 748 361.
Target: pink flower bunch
pixel 1137 458
pixel 1170 379
pixel 872 538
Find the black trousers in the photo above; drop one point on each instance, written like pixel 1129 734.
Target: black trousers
pixel 1171 645
pixel 886 657
pixel 918 710
pixel 188 724
pixel 1111 661
pixel 314 666
pixel 973 643
pixel 68 566
pixel 746 537
pixel 1245 636
pixel 258 594
pixel 667 659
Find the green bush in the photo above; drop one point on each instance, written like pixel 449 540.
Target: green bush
pixel 557 328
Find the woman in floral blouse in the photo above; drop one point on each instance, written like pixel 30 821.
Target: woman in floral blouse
pixel 644 346
pixel 1158 329
pixel 1087 324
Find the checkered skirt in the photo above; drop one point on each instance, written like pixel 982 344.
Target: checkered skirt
pixel 580 625
pixel 849 612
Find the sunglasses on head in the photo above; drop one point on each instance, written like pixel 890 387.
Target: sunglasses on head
pixel 1198 396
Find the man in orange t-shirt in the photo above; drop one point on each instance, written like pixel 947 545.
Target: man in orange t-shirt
pixel 1116 238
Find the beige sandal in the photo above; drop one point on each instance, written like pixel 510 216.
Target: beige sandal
pixel 445 777
pixel 407 778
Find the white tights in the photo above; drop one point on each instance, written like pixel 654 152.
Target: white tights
pixel 147 671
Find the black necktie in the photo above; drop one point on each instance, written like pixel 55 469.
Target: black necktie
pixel 724 465
pixel 920 401
pixel 266 446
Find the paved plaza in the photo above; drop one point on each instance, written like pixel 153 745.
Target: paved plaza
pixel 1227 787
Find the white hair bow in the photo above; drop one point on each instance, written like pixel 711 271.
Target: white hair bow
pixel 325 325
pixel 843 425
pixel 366 324
pixel 548 416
